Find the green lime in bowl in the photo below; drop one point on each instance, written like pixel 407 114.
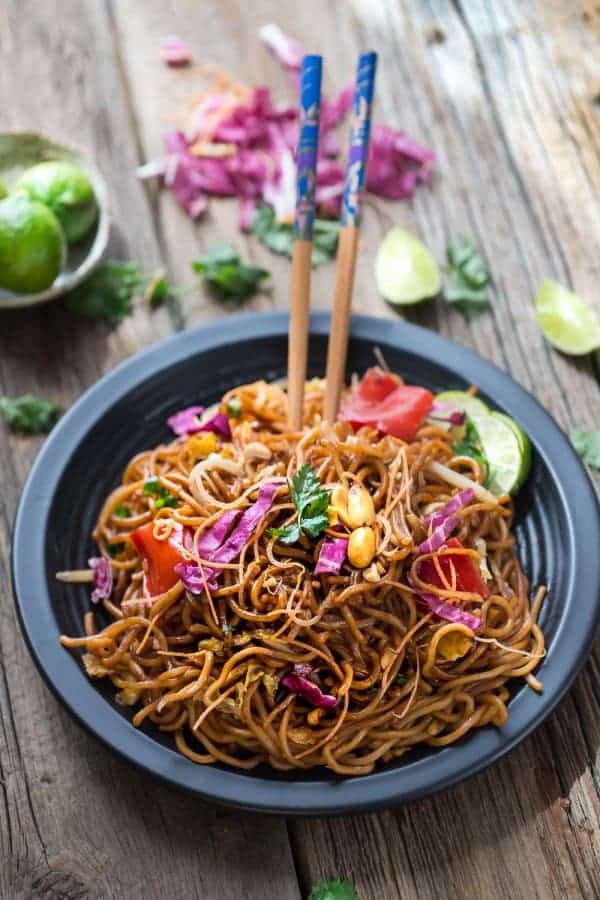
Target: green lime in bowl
pixel 75 196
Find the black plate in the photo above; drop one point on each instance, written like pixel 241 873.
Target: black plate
pixel 557 524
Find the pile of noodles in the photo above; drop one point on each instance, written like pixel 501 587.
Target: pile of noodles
pixel 208 668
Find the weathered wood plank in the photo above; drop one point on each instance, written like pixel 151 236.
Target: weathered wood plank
pixel 74 821
pixel 504 96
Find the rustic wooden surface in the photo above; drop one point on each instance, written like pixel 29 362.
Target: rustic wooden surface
pixel 507 92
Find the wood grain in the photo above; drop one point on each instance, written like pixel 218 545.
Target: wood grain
pixel 504 91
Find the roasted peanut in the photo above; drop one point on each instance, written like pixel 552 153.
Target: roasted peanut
pixel 361 547
pixel 371 574
pixel 339 501
pixel 360 507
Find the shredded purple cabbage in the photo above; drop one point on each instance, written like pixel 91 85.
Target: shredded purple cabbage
pixel 463 498
pixel 219 424
pixel 449 612
pixel 186 421
pixel 248 151
pixel 193 579
pixel 439 535
pixel 175 51
pixel 103 578
pixel 331 556
pixel 304 669
pixel 212 539
pixel 249 522
pixel 308 690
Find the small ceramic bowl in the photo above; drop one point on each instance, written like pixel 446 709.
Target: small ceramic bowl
pixel 19 151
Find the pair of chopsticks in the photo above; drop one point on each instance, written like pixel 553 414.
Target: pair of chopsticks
pixel 306 165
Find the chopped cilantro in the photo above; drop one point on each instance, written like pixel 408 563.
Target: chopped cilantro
pixel 470 445
pixel 153 487
pixel 587 444
pixel 333 890
pixel 114 549
pixel 228 277
pixel 29 414
pixel 234 407
pixel 311 501
pixel 469 277
pixel 122 512
pixel 279 236
pixel 158 290
pixel 400 679
pixel 108 292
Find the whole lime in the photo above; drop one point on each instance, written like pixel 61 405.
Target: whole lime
pixel 67 190
pixel 32 245
pixel 3 189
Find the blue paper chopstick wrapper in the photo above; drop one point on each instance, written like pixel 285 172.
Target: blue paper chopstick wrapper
pixel 360 130
pixel 308 142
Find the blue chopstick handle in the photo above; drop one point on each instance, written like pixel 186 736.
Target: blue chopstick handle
pixel 308 141
pixel 360 131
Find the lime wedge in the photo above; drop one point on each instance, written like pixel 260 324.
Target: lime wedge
pixel 525 445
pixel 506 454
pixel 566 321
pixel 473 406
pixel 405 270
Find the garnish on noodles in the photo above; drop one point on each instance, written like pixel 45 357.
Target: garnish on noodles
pixel 334 596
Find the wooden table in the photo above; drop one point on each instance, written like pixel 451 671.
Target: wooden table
pixel 506 91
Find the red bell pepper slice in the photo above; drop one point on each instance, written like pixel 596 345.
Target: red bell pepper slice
pixel 159 558
pixel 468 576
pixel 383 403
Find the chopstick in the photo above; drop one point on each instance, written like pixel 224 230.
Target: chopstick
pixel 348 240
pixel 306 174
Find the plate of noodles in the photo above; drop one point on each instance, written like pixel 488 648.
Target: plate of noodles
pixel 346 617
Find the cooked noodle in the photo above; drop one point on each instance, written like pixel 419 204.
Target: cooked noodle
pixel 208 668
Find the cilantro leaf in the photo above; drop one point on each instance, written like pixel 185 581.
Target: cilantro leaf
pixel 114 549
pixel 279 236
pixel 158 290
pixel 29 414
pixel 469 278
pixel 470 445
pixel 107 293
pixel 311 501
pixel 234 407
pixel 289 534
pixel 122 511
pixel 154 488
pixel 587 444
pixel 333 890
pixel 227 276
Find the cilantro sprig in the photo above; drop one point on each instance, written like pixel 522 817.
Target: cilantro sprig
pixel 108 292
pixel 469 277
pixel 29 414
pixel 279 236
pixel 470 445
pixel 311 501
pixel 227 276
pixel 333 890
pixel 153 488
pixel 587 444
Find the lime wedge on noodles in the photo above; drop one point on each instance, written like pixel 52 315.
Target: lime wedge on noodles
pixel 405 270
pixel 509 458
pixel 566 321
pixel 464 401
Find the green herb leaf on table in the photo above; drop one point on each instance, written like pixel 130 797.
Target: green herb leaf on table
pixel 279 236
pixel 29 414
pixel 333 890
pixel 153 488
pixel 587 444
pixel 311 501
pixel 108 292
pixel 228 277
pixel 470 445
pixel 158 290
pixel 469 278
